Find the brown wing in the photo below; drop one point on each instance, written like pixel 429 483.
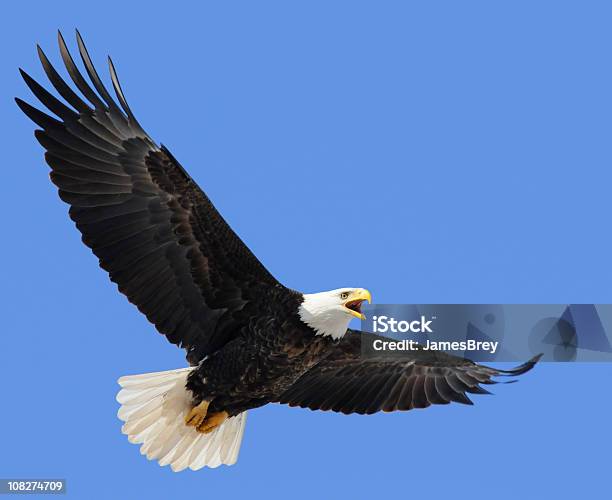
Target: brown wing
pixel 151 227
pixel 346 382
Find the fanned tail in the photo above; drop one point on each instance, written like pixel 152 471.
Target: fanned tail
pixel 153 407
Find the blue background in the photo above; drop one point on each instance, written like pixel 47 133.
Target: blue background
pixel 431 152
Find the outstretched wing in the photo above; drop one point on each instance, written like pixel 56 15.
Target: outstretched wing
pixel 346 382
pixel 152 228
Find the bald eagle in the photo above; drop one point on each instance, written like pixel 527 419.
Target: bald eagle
pixel 249 340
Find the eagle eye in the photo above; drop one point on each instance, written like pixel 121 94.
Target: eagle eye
pixel 344 295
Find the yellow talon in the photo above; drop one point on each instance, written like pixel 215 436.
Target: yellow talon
pixel 212 422
pixel 197 414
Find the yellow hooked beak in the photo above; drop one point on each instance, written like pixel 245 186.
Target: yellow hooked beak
pixel 354 301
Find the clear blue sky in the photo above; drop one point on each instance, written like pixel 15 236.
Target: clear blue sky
pixel 430 151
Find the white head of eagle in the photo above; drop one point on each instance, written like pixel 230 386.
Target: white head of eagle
pixel 329 313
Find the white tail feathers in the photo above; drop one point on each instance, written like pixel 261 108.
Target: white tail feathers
pixel 153 407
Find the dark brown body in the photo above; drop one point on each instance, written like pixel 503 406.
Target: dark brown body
pixel 260 364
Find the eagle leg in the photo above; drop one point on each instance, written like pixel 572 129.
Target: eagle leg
pixel 212 422
pixel 197 415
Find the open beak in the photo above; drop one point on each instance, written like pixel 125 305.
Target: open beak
pixel 353 303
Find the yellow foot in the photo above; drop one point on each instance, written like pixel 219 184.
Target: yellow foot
pixel 197 414
pixel 212 422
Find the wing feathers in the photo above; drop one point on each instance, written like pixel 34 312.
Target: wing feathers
pixel 121 97
pixel 345 382
pixel 55 105
pixel 432 393
pixel 76 76
pixel 150 225
pixel 86 174
pixel 60 85
pixel 93 75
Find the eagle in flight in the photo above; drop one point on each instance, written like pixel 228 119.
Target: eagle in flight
pixel 249 340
